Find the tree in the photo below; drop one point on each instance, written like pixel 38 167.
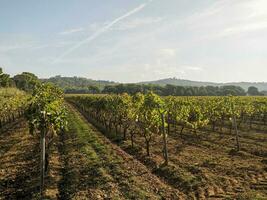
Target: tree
pixel 202 91
pixel 5 80
pixel 93 89
pixel 253 91
pixel 169 90
pixel 109 89
pixel 232 90
pixel 180 91
pixel 26 81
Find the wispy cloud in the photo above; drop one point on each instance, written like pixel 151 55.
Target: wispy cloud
pixel 137 22
pixel 8 48
pixel 214 9
pixel 193 68
pixel 71 31
pixel 32 46
pixel 224 18
pixel 243 28
pixel 102 30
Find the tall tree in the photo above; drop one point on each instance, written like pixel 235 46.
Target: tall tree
pixel 26 81
pixel 253 91
pixel 5 80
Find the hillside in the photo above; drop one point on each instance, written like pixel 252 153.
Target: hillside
pixel 182 82
pixel 76 82
pixel 80 82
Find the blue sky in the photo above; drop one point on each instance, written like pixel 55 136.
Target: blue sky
pixel 136 40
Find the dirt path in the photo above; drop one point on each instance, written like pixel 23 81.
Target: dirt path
pixel 54 175
pixel 208 166
pixel 18 163
pixel 19 166
pixel 94 168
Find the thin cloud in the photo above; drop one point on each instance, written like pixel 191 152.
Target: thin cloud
pixel 71 31
pixel 102 30
pixel 138 22
pixel 7 48
pixel 243 28
pixel 210 11
pixel 223 19
pixel 193 68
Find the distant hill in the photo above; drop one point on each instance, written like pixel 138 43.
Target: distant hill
pixel 76 82
pixel 182 82
pixel 262 86
pixel 80 82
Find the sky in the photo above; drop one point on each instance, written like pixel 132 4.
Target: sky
pixel 136 40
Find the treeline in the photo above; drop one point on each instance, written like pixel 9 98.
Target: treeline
pixel 166 90
pixel 172 90
pixel 91 89
pixel 76 85
pixel 79 85
pixel 25 81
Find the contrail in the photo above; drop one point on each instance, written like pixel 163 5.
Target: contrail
pixel 102 30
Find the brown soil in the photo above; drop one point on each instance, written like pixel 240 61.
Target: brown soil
pixel 205 165
pixel 84 164
pixel 18 163
pixel 94 168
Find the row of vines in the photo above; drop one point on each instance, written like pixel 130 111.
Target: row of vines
pixel 13 104
pixel 45 112
pixel 151 114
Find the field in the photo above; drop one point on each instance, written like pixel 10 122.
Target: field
pixel 85 165
pixel 133 100
pixel 108 158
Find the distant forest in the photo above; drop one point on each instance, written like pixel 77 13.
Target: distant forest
pixel 78 85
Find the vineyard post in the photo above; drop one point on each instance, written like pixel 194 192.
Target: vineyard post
pixel 236 134
pixel 42 163
pixel 147 139
pixel 169 124
pixel 132 138
pixel 165 151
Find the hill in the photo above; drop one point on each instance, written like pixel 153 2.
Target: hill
pixel 182 82
pixel 80 82
pixel 77 82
